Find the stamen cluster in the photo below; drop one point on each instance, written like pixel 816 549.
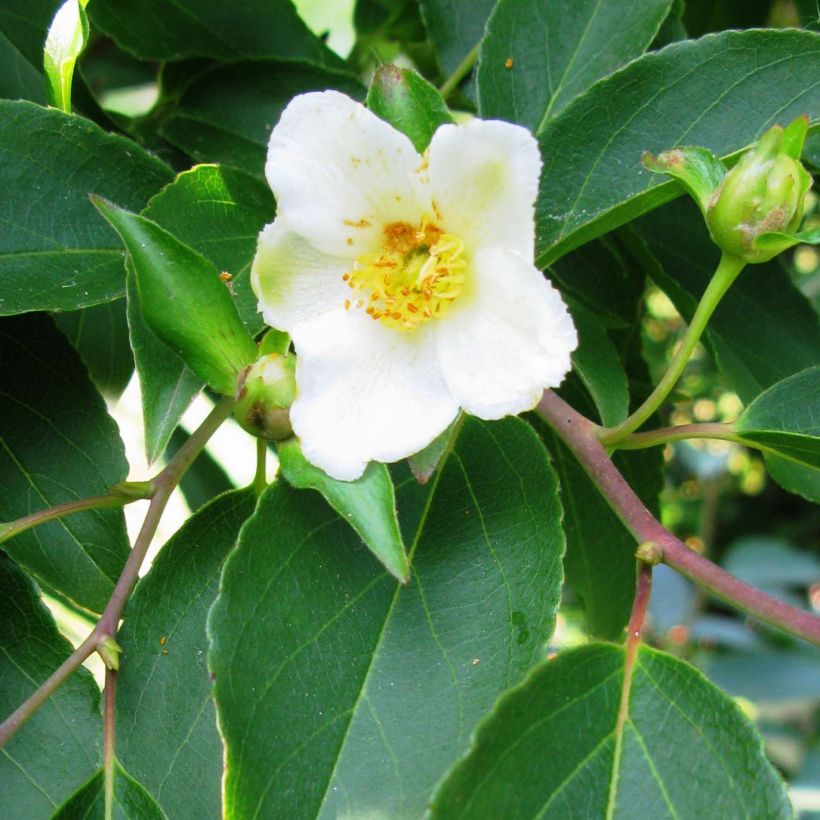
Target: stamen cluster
pixel 414 278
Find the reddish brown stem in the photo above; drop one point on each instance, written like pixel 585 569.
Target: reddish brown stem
pixel 579 434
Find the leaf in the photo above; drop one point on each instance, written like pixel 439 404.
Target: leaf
pixel 100 335
pixel 455 27
pixel 785 418
pixel 58 444
pixel 736 84
pixel 57 749
pixel 539 55
pixel 183 301
pixel 597 364
pixel 157 30
pixel 219 212
pixel 424 463
pixel 167 386
pixel 19 79
pixel 66 40
pixel 131 801
pixel 166 722
pixel 320 702
pixel 403 98
pixel 603 279
pixel 761 304
pixel 228 112
pixel 368 504
pixel 553 747
pixel 55 253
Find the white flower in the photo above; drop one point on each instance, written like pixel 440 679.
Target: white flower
pixel 406 282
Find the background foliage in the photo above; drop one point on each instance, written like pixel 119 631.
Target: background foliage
pixel 265 644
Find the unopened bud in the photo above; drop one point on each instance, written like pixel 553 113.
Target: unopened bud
pixel 763 193
pixel 650 553
pixel 266 391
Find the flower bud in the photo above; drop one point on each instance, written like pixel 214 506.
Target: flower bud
pixel 763 193
pixel 266 391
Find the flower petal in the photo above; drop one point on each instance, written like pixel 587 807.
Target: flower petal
pixel 483 182
pixel 507 340
pixel 365 393
pixel 340 174
pixel 294 282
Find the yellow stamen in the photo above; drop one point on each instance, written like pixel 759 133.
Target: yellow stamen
pixel 427 269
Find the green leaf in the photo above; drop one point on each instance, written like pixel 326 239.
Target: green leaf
pixel 100 336
pixel 406 100
pixel 424 463
pixel 167 386
pixel 219 212
pixel 797 479
pixel 455 27
pixel 603 279
pixel 157 30
pixel 55 254
pixel 183 301
pixel 66 40
pixel 227 113
pixel 785 419
pixel 598 365
pixel 735 84
pixel 58 444
pixel 316 651
pixel 554 747
pixel 170 742
pixel 131 801
pixel 19 79
pixel 57 749
pixel 539 55
pixel 368 504
pixel 761 304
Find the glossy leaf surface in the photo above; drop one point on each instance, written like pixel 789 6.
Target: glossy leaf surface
pixel 55 253
pixel 554 747
pixel 58 444
pixel 368 504
pixel 593 180
pixel 58 748
pixel 166 727
pixel 321 704
pixel 538 55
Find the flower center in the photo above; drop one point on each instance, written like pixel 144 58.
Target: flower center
pixel 414 278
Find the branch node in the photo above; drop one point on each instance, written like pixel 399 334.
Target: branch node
pixel 650 552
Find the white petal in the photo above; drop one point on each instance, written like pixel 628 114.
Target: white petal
pixel 484 180
pixel 340 174
pixel 506 340
pixel 366 393
pixel 294 282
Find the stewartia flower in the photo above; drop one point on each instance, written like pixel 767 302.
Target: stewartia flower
pixel 406 282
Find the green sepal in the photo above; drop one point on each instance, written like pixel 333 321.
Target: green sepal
pixel 368 504
pixel 274 341
pixel 775 242
pixel 183 300
pixel 697 169
pixel 408 102
pixel 67 38
pixel 794 137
